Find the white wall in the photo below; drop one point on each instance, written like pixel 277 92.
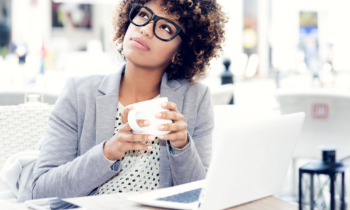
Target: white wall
pixel 31 24
pixel 333 29
pixel 263 40
pixel 106 18
pixel 338 29
pixel 233 45
pixel 101 29
pixel 77 38
pixel 284 32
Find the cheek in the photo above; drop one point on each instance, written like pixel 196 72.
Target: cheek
pixel 127 36
pixel 167 50
pixel 129 50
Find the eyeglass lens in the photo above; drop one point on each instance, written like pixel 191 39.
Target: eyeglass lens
pixel 163 29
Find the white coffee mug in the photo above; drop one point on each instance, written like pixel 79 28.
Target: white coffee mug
pixel 147 110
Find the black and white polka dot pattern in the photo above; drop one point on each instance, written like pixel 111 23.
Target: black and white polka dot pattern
pixel 139 169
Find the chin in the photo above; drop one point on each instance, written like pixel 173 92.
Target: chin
pixel 135 58
pixel 139 58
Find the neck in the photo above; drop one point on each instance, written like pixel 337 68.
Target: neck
pixel 139 84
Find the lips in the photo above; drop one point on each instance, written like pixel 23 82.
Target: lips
pixel 140 43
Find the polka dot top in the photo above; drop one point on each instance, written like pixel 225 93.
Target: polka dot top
pixel 139 169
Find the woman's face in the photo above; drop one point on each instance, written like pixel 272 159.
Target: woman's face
pixel 158 54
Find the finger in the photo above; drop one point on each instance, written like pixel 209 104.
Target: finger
pixel 125 113
pixel 173 126
pixel 170 105
pixel 125 128
pixel 136 146
pixel 136 137
pixel 143 123
pixel 174 136
pixel 170 115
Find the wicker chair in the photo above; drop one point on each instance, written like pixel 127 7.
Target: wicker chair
pixel 21 127
pixel 15 97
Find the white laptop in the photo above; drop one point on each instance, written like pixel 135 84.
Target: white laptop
pixel 249 162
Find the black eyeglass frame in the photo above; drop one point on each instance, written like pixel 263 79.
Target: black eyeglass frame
pixel 155 18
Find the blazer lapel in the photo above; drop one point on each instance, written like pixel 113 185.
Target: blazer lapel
pixel 106 106
pixel 106 109
pixel 167 89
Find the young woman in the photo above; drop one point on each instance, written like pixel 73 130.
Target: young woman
pixel 89 147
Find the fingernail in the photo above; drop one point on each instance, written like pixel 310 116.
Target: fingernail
pixel 151 138
pixel 158 114
pixel 149 147
pixel 146 122
pixel 161 137
pixel 130 107
pixel 164 104
pixel 161 127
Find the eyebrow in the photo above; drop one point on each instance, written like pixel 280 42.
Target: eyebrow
pixel 173 20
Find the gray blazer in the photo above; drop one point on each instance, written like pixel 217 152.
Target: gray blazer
pixel 71 161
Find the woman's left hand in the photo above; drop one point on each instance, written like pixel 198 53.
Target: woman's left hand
pixel 178 134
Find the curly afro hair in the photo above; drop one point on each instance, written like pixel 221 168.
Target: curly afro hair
pixel 204 23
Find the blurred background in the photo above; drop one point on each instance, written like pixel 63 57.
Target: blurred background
pixel 280 57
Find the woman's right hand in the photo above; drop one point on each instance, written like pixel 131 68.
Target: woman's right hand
pixel 124 140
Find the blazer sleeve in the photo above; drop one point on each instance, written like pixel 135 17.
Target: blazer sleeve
pixel 192 163
pixel 59 171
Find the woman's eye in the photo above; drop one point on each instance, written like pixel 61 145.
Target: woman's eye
pixel 143 15
pixel 166 28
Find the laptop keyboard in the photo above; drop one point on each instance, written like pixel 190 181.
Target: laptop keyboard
pixel 185 197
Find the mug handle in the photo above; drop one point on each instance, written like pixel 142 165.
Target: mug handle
pixel 133 123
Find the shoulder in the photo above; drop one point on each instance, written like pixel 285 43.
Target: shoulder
pixel 195 90
pixel 81 89
pixel 89 82
pixel 197 107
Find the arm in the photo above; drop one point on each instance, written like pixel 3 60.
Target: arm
pixel 191 164
pixel 59 172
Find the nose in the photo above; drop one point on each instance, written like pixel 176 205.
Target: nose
pixel 147 30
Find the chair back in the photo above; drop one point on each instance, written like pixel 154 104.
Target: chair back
pixel 327 120
pixel 252 66
pixel 15 97
pixel 221 95
pixel 21 127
